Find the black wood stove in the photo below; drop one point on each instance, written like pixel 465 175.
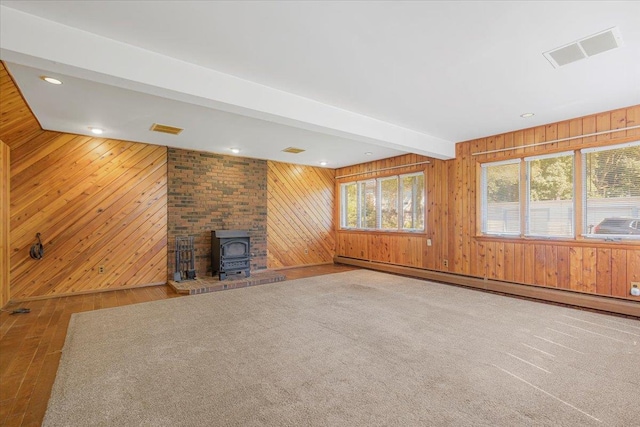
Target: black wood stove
pixel 230 253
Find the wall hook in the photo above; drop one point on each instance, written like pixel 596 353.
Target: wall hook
pixel 37 250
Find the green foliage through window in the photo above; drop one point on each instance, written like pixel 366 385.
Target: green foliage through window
pixel 610 194
pixel 389 203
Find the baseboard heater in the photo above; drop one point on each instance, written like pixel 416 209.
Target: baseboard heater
pixel 562 296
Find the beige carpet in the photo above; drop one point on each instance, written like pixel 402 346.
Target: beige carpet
pixel 359 348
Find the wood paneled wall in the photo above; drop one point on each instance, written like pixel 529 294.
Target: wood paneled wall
pixel 590 266
pixel 96 202
pixel 300 223
pixel 596 267
pixel 17 122
pixel 4 223
pixel 409 249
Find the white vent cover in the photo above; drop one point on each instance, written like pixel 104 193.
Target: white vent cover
pixel 584 48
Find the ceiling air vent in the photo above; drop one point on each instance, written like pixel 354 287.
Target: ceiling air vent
pixel 584 48
pixel 165 129
pixel 293 150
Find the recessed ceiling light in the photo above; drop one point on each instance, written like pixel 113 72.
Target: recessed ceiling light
pixel 527 115
pixel 368 153
pixel 323 163
pixel 235 150
pixel 51 80
pixel 96 131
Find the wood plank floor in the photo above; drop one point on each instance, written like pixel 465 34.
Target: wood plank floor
pixel 31 344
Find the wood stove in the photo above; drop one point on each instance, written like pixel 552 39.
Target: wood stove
pixel 230 253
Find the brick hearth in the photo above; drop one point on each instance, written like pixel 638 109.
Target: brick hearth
pixel 212 284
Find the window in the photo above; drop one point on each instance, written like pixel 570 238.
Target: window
pixel 412 196
pixel 350 205
pixel 611 191
pixel 394 203
pixel 548 203
pixel 501 197
pixel 605 184
pixel 550 195
pixel 368 204
pixel 389 203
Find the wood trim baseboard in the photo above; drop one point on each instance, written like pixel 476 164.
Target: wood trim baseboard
pixel 91 291
pixel 562 296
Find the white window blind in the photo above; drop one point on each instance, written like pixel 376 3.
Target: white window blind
pixel 611 191
pixel 550 201
pixel 501 197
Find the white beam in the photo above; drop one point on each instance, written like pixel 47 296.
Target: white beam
pixel 36 42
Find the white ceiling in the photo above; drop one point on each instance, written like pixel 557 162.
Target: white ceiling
pixel 337 78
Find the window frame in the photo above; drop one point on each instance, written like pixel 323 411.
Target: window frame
pixel 579 196
pixel 585 225
pixel 378 204
pixel 527 199
pixel 484 211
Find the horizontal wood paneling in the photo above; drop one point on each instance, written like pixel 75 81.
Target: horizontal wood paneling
pixel 4 223
pixel 300 223
pixel 593 267
pixel 96 202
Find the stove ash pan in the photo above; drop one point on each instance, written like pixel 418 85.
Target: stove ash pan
pixel 230 253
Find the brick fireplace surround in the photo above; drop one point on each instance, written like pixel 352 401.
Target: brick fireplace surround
pixel 215 192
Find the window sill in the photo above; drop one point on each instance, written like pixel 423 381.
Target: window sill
pixel 387 232
pixel 580 242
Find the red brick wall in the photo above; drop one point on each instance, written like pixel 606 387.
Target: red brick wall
pixel 212 192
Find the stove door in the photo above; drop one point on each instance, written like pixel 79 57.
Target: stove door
pixel 237 248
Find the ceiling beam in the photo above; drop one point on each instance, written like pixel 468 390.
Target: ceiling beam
pixel 36 42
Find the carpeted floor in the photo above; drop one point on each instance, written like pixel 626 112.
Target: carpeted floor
pixel 359 348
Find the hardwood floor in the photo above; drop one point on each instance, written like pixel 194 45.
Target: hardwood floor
pixel 31 344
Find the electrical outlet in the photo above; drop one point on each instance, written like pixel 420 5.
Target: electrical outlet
pixel 428 242
pixel 445 263
pixel 306 251
pixel 101 269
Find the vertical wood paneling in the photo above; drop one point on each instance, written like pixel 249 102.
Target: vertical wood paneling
pixel 509 262
pixel 96 202
pixel 529 264
pixel 564 276
pixel 539 274
pixel 518 262
pixel 603 271
pixel 551 266
pixel 4 223
pixel 588 266
pixel 300 215
pixel 633 269
pixel 589 269
pixel 408 249
pixel 619 279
